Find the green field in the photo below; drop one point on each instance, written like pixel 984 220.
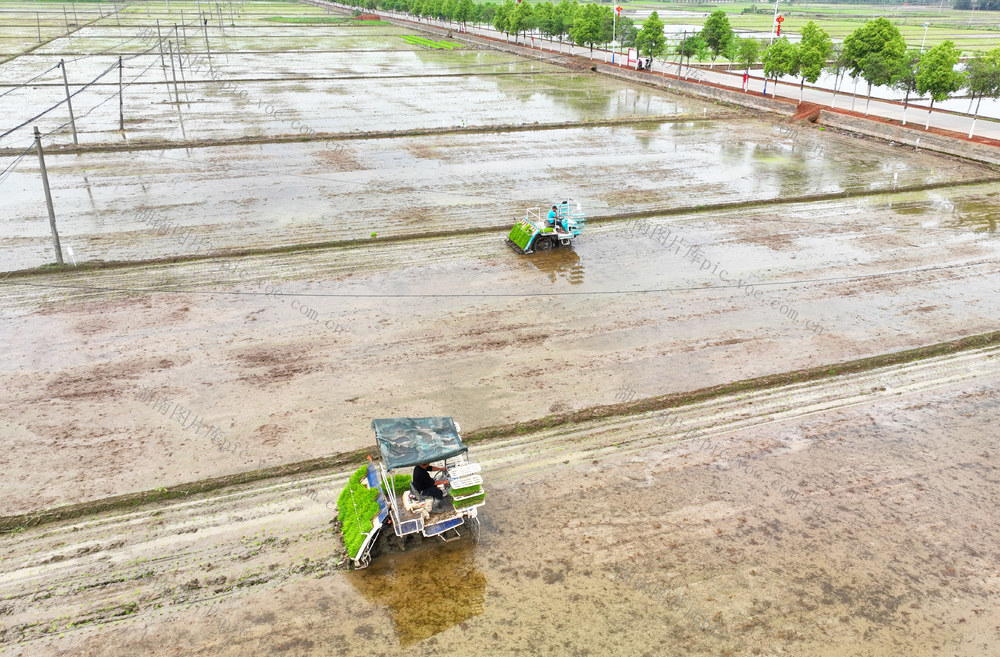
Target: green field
pixel 840 20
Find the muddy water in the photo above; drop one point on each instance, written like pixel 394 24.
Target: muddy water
pixel 292 387
pixel 300 193
pixel 426 590
pixel 215 110
pixel 858 531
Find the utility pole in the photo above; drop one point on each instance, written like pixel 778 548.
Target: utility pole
pixel 180 64
pixel 204 24
pixel 173 71
pixel 48 196
pixel 121 97
pixel 39 21
pixel 680 50
pixel 69 101
pixel 159 36
pixel 775 20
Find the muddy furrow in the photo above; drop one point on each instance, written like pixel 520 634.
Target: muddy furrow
pixel 167 145
pixel 477 239
pixel 61 582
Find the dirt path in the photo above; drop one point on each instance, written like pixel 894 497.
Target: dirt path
pixel 825 518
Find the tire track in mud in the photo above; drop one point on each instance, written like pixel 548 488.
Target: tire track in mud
pixel 62 582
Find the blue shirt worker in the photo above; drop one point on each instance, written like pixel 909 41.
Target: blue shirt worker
pixel 553 215
pixel 424 482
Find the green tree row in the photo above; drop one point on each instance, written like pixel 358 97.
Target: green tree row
pixel 585 24
pixel 875 52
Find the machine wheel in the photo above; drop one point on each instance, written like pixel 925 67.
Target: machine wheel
pixel 476 530
pixel 542 244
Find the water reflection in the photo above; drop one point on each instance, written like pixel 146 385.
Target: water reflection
pixel 426 590
pixel 559 263
pixel 979 215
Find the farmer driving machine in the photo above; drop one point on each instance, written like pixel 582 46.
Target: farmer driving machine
pixel 559 227
pixel 381 494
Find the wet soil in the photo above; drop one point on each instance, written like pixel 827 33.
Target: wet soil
pixel 845 516
pixel 149 204
pixel 825 523
pixel 290 356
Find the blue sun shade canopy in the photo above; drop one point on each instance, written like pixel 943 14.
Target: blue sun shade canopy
pixel 408 441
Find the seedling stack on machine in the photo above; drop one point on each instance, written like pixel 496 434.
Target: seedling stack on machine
pixel 536 233
pixel 380 493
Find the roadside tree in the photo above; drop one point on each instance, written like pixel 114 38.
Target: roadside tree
pixel 748 55
pixel 519 18
pixel 779 59
pixel 465 13
pixel 731 51
pixel 650 41
pixel 586 30
pixel 983 79
pixel 904 77
pixel 936 74
pixel 813 50
pixel 625 32
pixel 873 51
pixel 717 32
pixel 689 47
pixel 563 20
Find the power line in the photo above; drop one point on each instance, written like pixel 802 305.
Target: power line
pixel 24 84
pixel 108 70
pixel 10 168
pixel 133 38
pixel 829 279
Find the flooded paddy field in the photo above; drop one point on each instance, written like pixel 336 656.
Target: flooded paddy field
pixel 220 110
pixel 273 195
pixel 859 526
pixel 292 352
pixel 727 247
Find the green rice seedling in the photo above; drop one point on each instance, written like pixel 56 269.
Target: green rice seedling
pixel 357 505
pixel 468 490
pixel 459 504
pixel 401 483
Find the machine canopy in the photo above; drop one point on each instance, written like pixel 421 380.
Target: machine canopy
pixel 408 441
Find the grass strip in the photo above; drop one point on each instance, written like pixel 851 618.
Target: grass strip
pixel 21 522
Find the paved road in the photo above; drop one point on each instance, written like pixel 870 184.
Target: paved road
pixel 915 115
